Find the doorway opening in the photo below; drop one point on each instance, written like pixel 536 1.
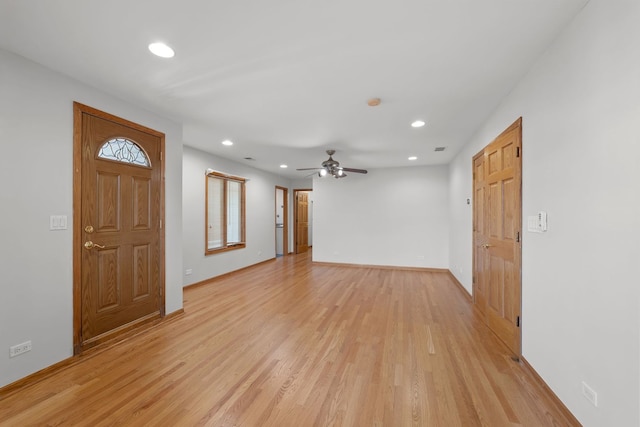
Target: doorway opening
pixel 282 221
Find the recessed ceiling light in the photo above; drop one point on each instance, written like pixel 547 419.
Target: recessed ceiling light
pixel 413 158
pixel 161 50
pixel 418 124
pixel 227 142
pixel 284 166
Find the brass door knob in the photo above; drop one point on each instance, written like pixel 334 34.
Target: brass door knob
pixel 90 245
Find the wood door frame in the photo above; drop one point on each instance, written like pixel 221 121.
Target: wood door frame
pixel 295 216
pixel 285 219
pixel 515 125
pixel 78 110
pixel 474 243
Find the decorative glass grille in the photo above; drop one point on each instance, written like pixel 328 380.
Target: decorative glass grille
pixel 125 151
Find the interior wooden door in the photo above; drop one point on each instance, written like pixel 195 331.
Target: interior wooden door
pixel 302 221
pixel 497 228
pixel 479 234
pixel 121 266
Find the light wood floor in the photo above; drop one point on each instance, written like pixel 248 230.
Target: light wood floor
pixel 290 343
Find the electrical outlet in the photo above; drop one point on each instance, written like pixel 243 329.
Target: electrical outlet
pixel 590 394
pixel 18 349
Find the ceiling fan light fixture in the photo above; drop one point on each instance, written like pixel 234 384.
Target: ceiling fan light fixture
pixel 333 168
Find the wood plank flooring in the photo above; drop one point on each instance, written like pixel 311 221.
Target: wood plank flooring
pixel 290 343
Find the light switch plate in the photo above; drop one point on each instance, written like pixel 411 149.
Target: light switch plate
pixel 537 223
pixel 58 222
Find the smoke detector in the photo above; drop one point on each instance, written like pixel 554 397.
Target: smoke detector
pixel 373 102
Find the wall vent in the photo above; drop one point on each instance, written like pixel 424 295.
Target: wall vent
pixel 439 148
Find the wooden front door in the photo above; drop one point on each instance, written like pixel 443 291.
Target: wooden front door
pixel 302 221
pixel 497 229
pixel 118 231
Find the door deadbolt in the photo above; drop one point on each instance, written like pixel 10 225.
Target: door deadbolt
pixel 88 229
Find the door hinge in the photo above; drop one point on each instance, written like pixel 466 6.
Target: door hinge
pixel 518 321
pixel 473 280
pixel 517 151
pixel 160 224
pixel 517 236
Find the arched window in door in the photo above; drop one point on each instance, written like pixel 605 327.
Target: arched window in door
pixel 125 151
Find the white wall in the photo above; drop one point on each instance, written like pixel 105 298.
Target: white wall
pixel 36 133
pixel 302 184
pixel 395 216
pixel 580 105
pixel 260 216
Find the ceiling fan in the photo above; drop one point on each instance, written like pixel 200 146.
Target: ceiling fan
pixel 333 168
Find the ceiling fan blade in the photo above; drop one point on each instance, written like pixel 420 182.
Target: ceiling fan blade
pixel 308 169
pixel 355 170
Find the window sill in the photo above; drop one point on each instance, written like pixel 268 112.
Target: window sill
pixel 225 249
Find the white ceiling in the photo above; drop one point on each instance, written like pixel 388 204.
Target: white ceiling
pixel 288 79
